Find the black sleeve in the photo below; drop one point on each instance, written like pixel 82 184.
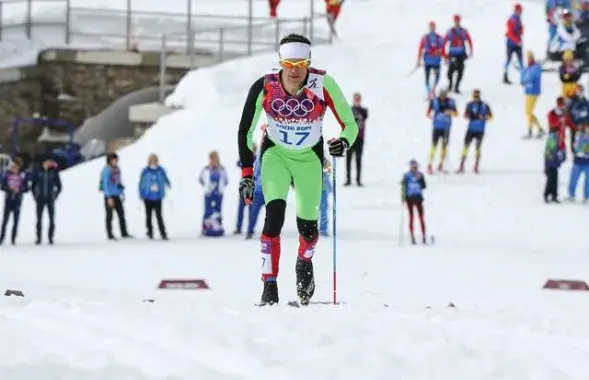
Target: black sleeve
pixel 422 182
pixel 246 156
pixel 57 184
pixel 365 113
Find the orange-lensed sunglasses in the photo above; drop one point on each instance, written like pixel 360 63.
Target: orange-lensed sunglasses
pixel 288 64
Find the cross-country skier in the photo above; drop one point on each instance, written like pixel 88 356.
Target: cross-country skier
pixel 273 4
pixel 531 79
pixel 579 112
pixel 457 38
pixel 440 110
pixel 213 178
pixel 513 40
pixel 333 9
pixel 357 149
pixel 413 184
pixel 295 100
pixel 431 51
pixel 478 113
pixel 569 73
pixel 324 205
pixel 554 156
pixel 14 185
pixel 566 38
pixel 580 164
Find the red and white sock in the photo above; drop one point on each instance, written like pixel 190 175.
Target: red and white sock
pixel 307 249
pixel 270 249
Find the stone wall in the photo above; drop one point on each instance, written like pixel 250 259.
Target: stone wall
pixel 73 85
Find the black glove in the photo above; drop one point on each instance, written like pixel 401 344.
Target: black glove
pixel 337 147
pixel 246 189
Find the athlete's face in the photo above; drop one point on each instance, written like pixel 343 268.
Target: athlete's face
pixel 295 71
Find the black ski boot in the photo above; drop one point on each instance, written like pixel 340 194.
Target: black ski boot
pixel 506 79
pixel 270 293
pixel 305 281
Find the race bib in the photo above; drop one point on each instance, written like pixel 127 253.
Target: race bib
pixel 295 135
pixel 154 188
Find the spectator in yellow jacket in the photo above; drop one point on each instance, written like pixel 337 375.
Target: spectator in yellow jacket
pixel 569 73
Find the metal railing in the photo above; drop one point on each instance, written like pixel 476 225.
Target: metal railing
pixel 131 29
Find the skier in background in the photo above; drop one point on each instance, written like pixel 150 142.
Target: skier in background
pixel 457 38
pixel 569 73
pixel 440 110
pixel 559 119
pixel 324 205
pixel 478 113
pixel 333 9
pixel 258 200
pixel 431 51
pixel 554 9
pixel 273 7
pixel 214 180
pixel 554 156
pixel 14 185
pixel 152 190
pixel 580 164
pixel 531 79
pixel 113 189
pixel 292 151
pixel 412 185
pixel 360 115
pixel 578 109
pixel 241 206
pixel 566 38
pixel 46 186
pixel 513 40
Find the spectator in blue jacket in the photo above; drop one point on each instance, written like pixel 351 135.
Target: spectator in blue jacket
pixel 46 186
pixel 258 201
pixel 554 156
pixel 152 190
pixel 241 206
pixel 324 205
pixel 580 164
pixel 14 185
pixel 113 189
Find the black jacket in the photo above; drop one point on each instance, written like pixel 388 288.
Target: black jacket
pixel 46 185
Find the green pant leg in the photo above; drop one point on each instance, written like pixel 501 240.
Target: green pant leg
pixel 307 174
pixel 275 175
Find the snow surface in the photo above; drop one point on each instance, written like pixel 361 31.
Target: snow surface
pixel 94 25
pixel 496 242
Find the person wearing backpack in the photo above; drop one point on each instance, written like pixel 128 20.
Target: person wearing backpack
pixel 152 190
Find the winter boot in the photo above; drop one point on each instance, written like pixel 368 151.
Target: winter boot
pixel 424 240
pixel 270 293
pixel 305 280
pixel 430 169
pixel 476 166
pixel 440 167
pixel 249 236
pixel 413 241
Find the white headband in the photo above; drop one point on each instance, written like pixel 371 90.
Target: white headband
pixel 296 50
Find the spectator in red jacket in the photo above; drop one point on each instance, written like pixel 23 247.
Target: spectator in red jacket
pixel 513 40
pixel 560 119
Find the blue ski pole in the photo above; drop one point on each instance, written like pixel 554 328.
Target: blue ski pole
pixel 334 209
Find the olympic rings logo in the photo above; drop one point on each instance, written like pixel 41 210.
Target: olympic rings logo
pixel 292 107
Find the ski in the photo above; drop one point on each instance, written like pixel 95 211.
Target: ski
pixel 297 304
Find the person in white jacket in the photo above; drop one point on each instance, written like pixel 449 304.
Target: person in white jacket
pixel 214 180
pixel 567 35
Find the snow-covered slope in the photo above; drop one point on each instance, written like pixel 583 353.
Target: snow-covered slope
pixel 496 242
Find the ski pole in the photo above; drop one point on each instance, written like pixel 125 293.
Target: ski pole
pixel 334 216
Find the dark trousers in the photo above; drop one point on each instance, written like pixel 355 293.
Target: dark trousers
pixel 356 149
pixel 10 207
pixel 41 205
pixel 551 188
pixel 118 208
pixel 150 208
pixel 456 66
